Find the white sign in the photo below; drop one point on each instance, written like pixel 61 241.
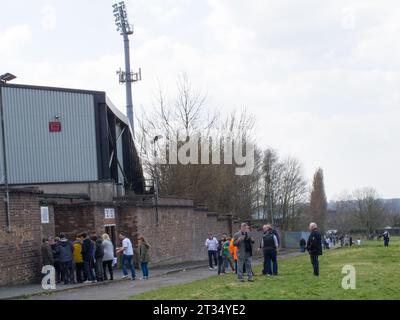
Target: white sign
pixel 44 213
pixel 109 213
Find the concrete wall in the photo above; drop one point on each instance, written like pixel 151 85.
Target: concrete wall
pixel 104 191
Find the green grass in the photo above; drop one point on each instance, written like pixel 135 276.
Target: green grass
pixel 377 277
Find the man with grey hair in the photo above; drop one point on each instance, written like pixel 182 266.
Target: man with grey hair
pixel 244 241
pixel 314 247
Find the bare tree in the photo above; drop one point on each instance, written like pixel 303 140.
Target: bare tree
pixel 344 218
pixel 370 210
pixel 187 116
pixel 284 190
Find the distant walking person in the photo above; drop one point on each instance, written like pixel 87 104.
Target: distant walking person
pixel 127 256
pixel 244 241
pixel 314 247
pixel 386 238
pixel 212 246
pixel 303 244
pixel 78 258
pixel 269 245
pixel 108 257
pixel 144 257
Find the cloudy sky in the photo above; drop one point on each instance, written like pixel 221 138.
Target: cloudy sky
pixel 322 77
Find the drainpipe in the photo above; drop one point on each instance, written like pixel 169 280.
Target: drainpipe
pixel 3 144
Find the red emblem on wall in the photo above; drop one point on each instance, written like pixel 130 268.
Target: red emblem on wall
pixel 55 126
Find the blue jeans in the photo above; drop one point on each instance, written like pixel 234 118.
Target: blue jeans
pixel 88 268
pixel 129 259
pixel 270 258
pixel 145 269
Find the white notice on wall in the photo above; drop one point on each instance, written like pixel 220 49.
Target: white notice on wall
pixel 109 213
pixel 44 212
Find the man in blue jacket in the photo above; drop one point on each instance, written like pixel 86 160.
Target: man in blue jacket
pixel 66 256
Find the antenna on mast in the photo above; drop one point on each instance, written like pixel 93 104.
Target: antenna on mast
pixel 126 76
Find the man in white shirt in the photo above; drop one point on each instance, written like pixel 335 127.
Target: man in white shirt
pixel 212 246
pixel 127 256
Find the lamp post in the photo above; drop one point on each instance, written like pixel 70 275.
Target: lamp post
pixel 4 79
pixel 127 77
pixel 156 186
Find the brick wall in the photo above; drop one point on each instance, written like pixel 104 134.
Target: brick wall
pixel 73 219
pixel 180 232
pixel 176 235
pixel 20 260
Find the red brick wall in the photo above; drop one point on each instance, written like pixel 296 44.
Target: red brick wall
pixel 178 236
pixel 20 260
pixel 72 219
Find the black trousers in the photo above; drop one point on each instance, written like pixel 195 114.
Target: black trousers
pixel 315 263
pixel 386 241
pixel 59 275
pixel 221 267
pixel 108 264
pixel 212 254
pixel 67 272
pixel 79 272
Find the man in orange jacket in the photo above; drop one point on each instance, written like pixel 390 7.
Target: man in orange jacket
pixel 233 251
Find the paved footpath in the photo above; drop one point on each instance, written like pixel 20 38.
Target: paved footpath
pixel 120 289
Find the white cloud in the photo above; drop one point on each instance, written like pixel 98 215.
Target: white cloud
pixel 322 78
pixel 49 18
pixel 12 41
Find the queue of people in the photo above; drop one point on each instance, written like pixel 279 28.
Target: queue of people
pixel 91 258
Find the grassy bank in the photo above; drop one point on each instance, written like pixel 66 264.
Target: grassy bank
pixel 377 277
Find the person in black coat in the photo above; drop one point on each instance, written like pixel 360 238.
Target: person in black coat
pixel 56 259
pixel 314 247
pixel 88 258
pixel 99 254
pixel 386 238
pixel 303 244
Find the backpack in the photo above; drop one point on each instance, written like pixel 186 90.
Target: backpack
pixel 99 253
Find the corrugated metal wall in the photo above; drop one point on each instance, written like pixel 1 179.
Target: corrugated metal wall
pixel 34 154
